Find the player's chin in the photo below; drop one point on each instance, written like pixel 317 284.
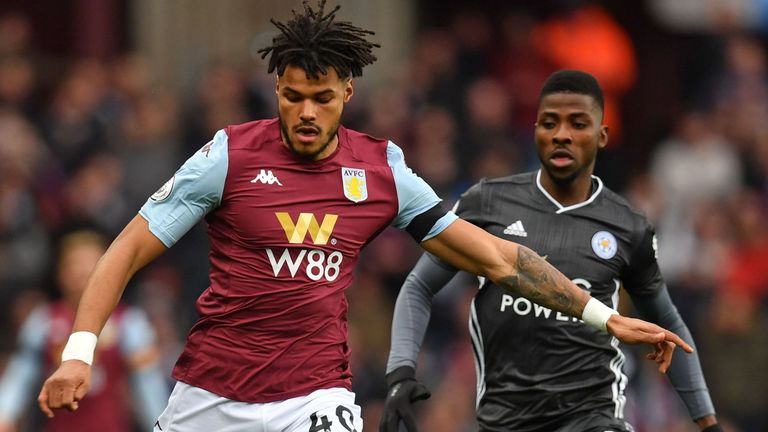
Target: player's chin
pixel 562 173
pixel 307 151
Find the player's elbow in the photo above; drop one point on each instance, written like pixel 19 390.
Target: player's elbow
pixel 504 262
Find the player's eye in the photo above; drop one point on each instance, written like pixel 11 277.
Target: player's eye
pixel 292 97
pixel 547 124
pixel 579 125
pixel 324 99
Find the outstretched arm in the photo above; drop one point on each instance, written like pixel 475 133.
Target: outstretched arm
pixel 195 189
pixel 507 264
pixel 132 249
pixel 525 273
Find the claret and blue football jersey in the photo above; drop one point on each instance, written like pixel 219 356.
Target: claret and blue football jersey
pixel 285 235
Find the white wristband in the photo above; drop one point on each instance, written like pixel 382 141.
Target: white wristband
pixel 596 314
pixel 80 346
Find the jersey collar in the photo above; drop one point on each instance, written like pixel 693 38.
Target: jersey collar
pixel 560 207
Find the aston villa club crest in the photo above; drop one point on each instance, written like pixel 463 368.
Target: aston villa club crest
pixel 355 187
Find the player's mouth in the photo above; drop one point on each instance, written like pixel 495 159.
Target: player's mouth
pixel 307 134
pixel 561 158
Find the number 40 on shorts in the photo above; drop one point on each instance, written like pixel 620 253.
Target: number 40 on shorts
pixel 344 417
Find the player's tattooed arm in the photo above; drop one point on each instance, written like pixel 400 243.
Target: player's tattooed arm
pixel 522 271
pixel 509 265
pixel 538 281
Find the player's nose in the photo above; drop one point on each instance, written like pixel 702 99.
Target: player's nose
pixel 308 111
pixel 561 135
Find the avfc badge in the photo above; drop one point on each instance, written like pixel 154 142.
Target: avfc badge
pixel 164 192
pixel 355 188
pixel 604 244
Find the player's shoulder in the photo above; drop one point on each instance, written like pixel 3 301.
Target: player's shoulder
pixel 362 137
pixel 41 315
pixel 503 183
pixel 252 133
pixel 620 206
pixel 368 148
pixel 514 179
pixel 129 315
pixel 36 328
pixel 488 190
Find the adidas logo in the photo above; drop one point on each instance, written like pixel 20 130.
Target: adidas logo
pixel 266 177
pixel 516 229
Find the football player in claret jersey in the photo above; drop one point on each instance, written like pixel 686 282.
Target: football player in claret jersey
pixel 289 203
pixel 539 370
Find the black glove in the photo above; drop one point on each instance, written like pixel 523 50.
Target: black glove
pixel 402 391
pixel 713 428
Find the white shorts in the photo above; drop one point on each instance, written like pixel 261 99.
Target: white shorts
pixel 192 409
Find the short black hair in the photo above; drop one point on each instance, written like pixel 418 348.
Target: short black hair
pixel 313 41
pixel 573 81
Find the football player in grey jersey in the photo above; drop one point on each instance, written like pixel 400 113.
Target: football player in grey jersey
pixel 539 370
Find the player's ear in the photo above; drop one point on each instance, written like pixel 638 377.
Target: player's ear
pixel 277 84
pixel 348 90
pixel 603 139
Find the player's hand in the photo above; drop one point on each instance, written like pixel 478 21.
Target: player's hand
pixel 403 391
pixel 66 387
pixel 635 331
pixel 708 424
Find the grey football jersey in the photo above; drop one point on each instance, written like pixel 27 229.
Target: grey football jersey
pixel 537 368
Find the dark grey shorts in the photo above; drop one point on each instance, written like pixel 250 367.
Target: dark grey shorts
pixel 587 422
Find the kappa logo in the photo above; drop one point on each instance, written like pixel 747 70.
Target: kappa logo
pixel 206 148
pixel 295 232
pixel 516 229
pixel 266 177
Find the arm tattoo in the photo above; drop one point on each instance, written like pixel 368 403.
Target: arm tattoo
pixel 539 282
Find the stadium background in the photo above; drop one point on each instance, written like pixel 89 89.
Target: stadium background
pixel 101 100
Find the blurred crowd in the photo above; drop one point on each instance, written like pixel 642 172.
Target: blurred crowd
pixel 84 142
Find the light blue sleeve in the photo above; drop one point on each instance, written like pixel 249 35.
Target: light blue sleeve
pixel 136 333
pixel 414 195
pixel 148 384
pixel 192 192
pixel 23 370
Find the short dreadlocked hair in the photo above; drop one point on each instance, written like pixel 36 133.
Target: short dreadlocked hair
pixel 313 41
pixel 573 81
